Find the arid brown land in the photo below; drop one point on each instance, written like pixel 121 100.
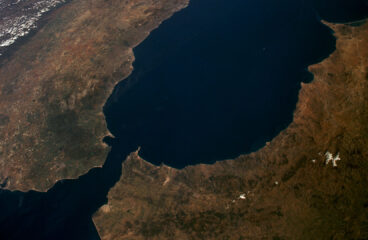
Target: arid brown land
pixel 51 124
pixel 53 87
pixel 285 190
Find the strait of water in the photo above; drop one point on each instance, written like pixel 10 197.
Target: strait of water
pixel 217 79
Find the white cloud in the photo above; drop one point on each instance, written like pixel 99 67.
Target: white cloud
pixel 15 27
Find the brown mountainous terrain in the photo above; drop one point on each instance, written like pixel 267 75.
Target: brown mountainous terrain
pixel 285 190
pixel 53 88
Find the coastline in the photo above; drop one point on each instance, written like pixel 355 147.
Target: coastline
pixel 82 107
pixel 279 181
pixel 283 190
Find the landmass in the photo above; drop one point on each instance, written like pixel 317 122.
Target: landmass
pixel 307 183
pixel 19 18
pixel 53 88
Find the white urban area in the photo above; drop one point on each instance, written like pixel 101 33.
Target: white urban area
pixel 331 158
pixel 19 17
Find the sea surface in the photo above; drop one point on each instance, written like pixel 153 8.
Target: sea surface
pixel 218 79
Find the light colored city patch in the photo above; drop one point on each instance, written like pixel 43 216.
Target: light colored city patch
pixel 331 158
pixel 242 196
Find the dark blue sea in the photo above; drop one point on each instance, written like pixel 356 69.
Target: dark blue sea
pixel 216 80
